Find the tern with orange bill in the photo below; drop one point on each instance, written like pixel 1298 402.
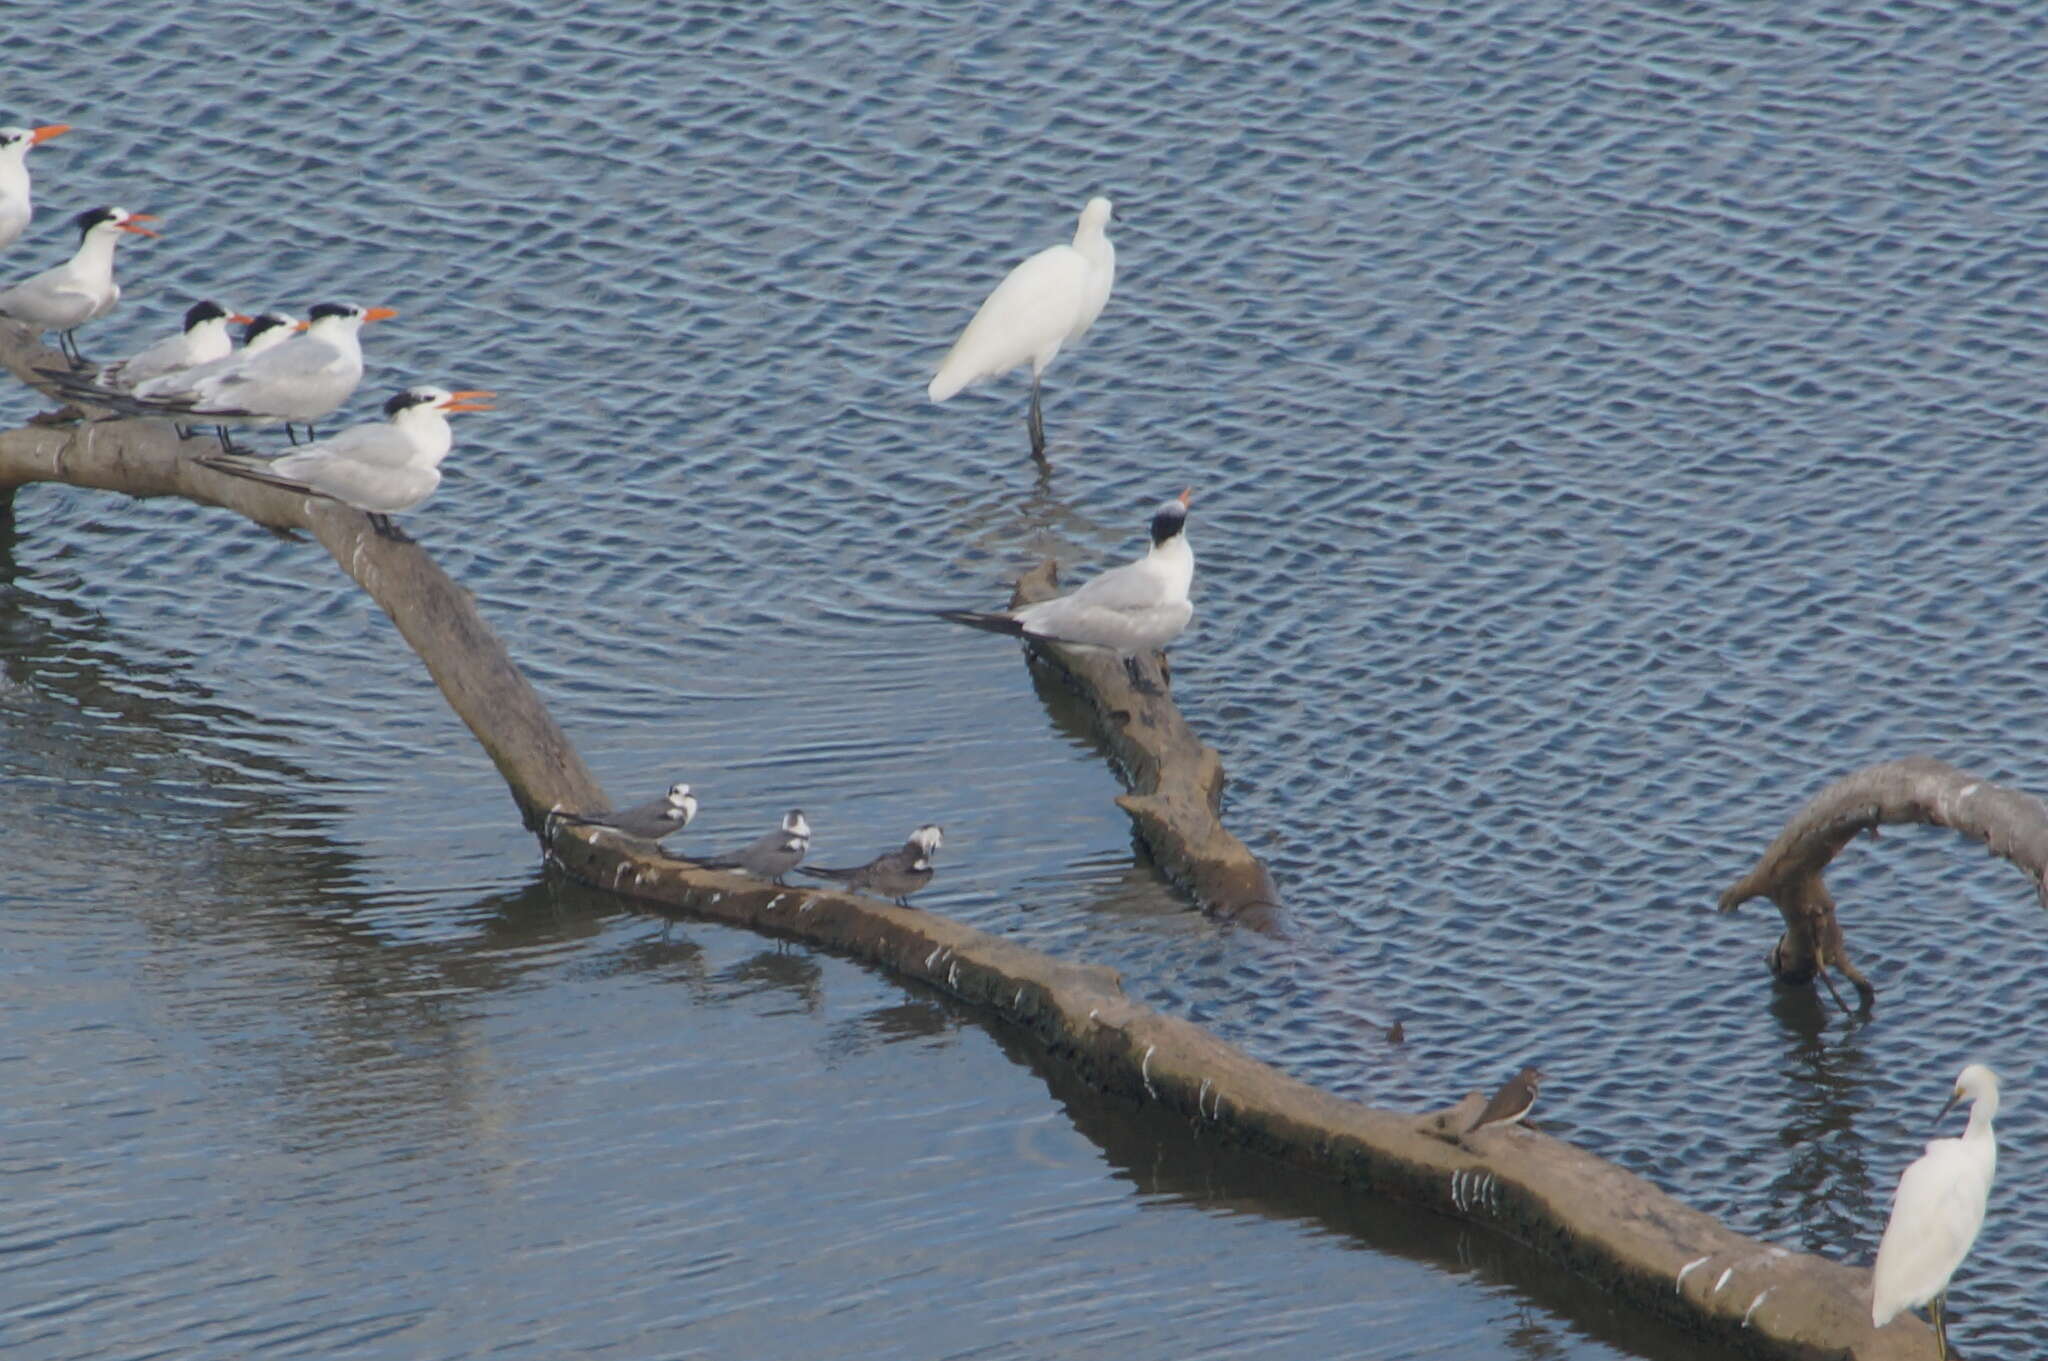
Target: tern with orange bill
pixel 202 339
pixel 294 383
pixel 65 297
pixel 382 467
pixel 16 207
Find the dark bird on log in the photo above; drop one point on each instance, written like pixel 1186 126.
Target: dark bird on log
pixel 1512 1102
pixel 1137 608
pixel 773 855
pixel 649 821
pixel 896 875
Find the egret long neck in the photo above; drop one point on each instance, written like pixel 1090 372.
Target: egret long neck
pixel 1982 1110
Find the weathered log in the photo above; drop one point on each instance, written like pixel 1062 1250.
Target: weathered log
pixel 436 617
pixel 1588 1214
pixel 2011 822
pixel 1175 779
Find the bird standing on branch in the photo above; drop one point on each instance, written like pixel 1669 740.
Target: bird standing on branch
pixel 649 821
pixel 774 854
pixel 65 297
pixel 1937 1211
pixel 1511 1104
pixel 896 874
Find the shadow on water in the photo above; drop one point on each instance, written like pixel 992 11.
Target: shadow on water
pixel 1825 1190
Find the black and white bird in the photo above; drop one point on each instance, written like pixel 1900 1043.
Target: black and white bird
pixel 297 382
pixel 382 467
pixel 16 203
pixel 1044 304
pixel 774 854
pixel 1130 610
pixel 202 339
pixel 895 875
pixel 67 296
pixel 1511 1104
pixel 649 821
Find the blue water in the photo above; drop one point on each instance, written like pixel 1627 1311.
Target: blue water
pixel 1607 424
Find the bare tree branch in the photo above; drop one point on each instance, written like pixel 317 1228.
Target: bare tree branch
pixel 2010 822
pixel 1176 779
pixel 1589 1214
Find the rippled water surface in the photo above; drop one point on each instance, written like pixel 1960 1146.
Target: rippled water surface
pixel 1608 422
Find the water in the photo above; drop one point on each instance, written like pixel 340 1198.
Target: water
pixel 1607 423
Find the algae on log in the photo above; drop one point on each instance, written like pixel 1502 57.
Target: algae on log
pixel 2010 822
pixel 1599 1220
pixel 1176 779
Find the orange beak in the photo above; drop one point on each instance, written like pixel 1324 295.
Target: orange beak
pixel 133 218
pixel 470 399
pixel 239 319
pixel 1185 494
pixel 380 314
pixel 46 132
pixel 301 325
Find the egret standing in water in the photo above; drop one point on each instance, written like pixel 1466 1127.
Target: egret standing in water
pixel 1937 1211
pixel 1048 301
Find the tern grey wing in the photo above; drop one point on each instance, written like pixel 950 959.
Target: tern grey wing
pixel 381 491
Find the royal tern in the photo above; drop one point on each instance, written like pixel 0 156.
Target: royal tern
pixel 382 467
pixel 897 874
pixel 1937 1212
pixel 1048 301
pixel 297 382
pixel 203 339
pixel 649 821
pixel 16 208
pixel 1129 610
pixel 67 296
pixel 774 854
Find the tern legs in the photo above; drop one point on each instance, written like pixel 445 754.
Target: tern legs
pixel 1134 668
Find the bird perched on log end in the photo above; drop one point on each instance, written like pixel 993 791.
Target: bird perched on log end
pixel 1937 1211
pixel 1511 1104
pixel 1130 610
pixel 774 854
pixel 65 297
pixel 895 875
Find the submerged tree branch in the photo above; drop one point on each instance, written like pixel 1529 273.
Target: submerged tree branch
pixel 2010 822
pixel 1176 779
pixel 1603 1222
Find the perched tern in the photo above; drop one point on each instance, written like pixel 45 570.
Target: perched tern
pixel 774 854
pixel 1048 301
pixel 15 206
pixel 382 467
pixel 81 289
pixel 1129 610
pixel 897 874
pixel 297 382
pixel 203 339
pixel 649 821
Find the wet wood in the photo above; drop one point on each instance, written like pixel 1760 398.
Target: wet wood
pixel 1176 780
pixel 1605 1223
pixel 2010 823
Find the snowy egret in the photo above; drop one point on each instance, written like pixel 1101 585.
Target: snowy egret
pixel 1138 607
pixel 1048 301
pixel 65 297
pixel 1937 1211
pixel 16 208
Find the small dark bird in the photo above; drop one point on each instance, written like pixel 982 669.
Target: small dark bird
pixel 774 854
pixel 1397 1033
pixel 1512 1102
pixel 895 875
pixel 649 821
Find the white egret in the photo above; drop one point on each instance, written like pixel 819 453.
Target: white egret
pixel 1048 301
pixel 1937 1211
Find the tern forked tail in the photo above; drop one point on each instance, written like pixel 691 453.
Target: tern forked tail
pixel 982 619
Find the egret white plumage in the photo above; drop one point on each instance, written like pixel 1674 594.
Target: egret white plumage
pixel 16 205
pixel 1047 302
pixel 1136 608
pixel 382 467
pixel 65 297
pixel 1937 1211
